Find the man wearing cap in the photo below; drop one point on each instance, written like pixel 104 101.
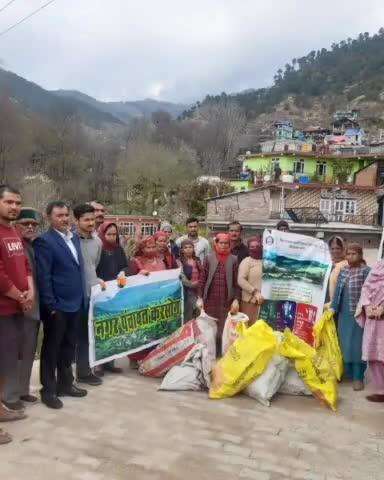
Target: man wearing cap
pixel 17 388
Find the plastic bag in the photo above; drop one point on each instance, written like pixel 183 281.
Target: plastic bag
pixel 294 385
pixel 172 351
pixel 312 367
pixel 192 374
pixel 327 342
pixel 206 332
pixel 245 360
pixel 265 386
pixel 230 332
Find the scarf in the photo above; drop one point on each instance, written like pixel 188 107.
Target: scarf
pixel 104 227
pixel 356 277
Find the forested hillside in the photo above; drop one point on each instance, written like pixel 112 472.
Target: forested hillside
pixel 353 67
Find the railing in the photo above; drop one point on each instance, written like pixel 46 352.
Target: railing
pixel 313 215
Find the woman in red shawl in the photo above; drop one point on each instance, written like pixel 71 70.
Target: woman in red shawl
pixel 147 258
pixel 219 282
pixel 163 251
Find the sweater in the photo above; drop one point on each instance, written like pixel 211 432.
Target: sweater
pixel 91 250
pixel 249 278
pixel 112 262
pixel 14 269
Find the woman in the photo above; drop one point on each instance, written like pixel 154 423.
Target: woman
pixel 218 282
pixel 190 277
pixel 112 261
pixel 249 279
pixel 337 250
pixel 369 316
pixel 163 251
pixel 345 300
pixel 146 257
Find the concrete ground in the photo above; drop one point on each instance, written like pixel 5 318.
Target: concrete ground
pixel 126 429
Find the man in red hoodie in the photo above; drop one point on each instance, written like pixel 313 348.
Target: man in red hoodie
pixel 16 297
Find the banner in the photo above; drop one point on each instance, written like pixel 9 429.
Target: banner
pixel 296 270
pixel 137 316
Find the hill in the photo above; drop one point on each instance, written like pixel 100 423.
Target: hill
pixel 311 87
pixel 125 111
pixel 33 98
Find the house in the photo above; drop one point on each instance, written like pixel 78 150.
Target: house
pixel 315 209
pixel 129 224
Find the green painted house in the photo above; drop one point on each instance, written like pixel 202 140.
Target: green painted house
pixel 303 167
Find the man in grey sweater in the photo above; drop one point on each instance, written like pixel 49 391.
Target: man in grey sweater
pixel 91 247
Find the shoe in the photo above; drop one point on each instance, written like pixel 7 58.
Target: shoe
pixel 7 415
pixel 376 397
pixel 52 401
pixel 29 398
pixel 358 385
pixel 90 379
pixel 72 391
pixel 15 406
pixel 5 437
pixel 110 369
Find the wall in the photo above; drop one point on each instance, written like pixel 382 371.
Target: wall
pixel 286 164
pixel 251 206
pixel 367 177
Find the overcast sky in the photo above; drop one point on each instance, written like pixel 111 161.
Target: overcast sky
pixel 172 50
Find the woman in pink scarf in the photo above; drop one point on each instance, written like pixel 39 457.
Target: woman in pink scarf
pixel 370 316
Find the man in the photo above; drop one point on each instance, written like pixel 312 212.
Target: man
pixel 60 279
pixel 99 213
pixel 17 389
pixel 202 248
pixel 16 297
pixel 166 227
pixel 282 226
pixel 91 247
pixel 237 246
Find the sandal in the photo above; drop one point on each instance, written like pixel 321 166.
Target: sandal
pixel 5 437
pixel 7 415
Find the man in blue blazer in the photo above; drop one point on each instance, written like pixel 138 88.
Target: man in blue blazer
pixel 60 279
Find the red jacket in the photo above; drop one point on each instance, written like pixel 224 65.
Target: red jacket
pixel 14 269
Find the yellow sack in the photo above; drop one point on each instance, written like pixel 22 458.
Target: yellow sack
pixel 246 359
pixel 327 342
pixel 313 368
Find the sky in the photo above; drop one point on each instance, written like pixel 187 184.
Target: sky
pixel 172 50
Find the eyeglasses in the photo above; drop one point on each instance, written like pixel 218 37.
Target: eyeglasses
pixel 29 224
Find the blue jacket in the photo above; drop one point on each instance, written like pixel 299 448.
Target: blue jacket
pixel 60 278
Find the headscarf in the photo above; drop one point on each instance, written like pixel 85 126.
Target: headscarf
pixel 259 252
pixel 139 253
pixel 222 254
pixel 169 259
pixel 104 227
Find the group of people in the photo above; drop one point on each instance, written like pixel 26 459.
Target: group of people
pixel 47 277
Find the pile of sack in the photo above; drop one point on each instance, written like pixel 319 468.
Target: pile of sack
pixel 257 360
pixel 263 362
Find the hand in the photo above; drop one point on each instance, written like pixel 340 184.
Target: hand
pixel 102 284
pixel 259 298
pixel 29 295
pixel 194 284
pixel 144 272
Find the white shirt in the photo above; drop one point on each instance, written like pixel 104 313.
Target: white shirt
pixel 67 237
pixel 202 247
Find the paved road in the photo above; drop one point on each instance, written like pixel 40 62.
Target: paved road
pixel 128 430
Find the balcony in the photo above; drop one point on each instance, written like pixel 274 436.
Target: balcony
pixel 315 216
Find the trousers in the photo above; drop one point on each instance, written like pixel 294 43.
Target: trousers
pixel 18 340
pixel 82 347
pixel 58 351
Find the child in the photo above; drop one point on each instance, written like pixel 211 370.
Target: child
pixel 370 315
pixel 344 304
pixel 190 277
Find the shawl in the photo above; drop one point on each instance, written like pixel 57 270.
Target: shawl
pixel 372 292
pixel 356 277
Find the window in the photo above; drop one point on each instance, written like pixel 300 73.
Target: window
pixel 148 229
pixel 325 206
pixel 275 162
pixel 298 166
pixel 321 169
pixel 127 228
pixel 338 210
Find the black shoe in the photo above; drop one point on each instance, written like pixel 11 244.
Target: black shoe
pixel 90 379
pixel 72 391
pixel 52 401
pixel 15 406
pixel 29 398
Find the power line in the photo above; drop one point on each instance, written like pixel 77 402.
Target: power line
pixel 25 18
pixel 7 5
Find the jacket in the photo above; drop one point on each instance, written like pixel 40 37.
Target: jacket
pixel 60 278
pixel 112 262
pixel 231 278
